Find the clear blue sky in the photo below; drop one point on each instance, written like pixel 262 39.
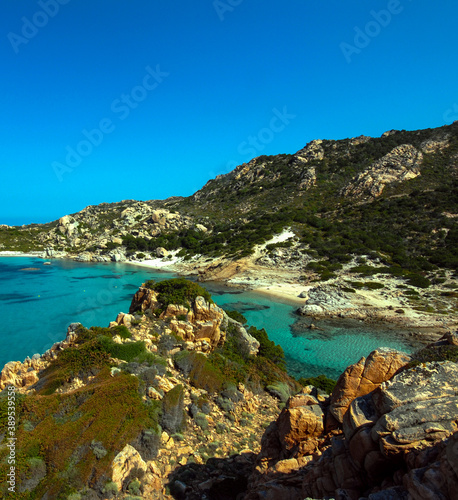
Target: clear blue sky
pixel 237 78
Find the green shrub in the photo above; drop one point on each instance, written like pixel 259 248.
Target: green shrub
pixel 98 449
pixel 201 420
pixel 441 353
pixel 204 374
pixel 237 316
pixel 183 361
pixel 74 496
pixel 179 291
pixel 134 487
pixel 320 382
pixel 280 390
pixel 127 352
pixel 152 360
pixel 373 285
pixel 268 349
pixel 418 281
pixel 122 331
pixel 81 360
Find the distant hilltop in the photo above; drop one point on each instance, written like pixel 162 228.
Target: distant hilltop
pixel 371 216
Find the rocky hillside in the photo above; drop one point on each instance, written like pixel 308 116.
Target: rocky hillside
pixel 392 197
pixel 111 412
pixel 178 399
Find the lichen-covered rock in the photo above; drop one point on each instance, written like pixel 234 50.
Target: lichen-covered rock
pixel 417 406
pixel 363 377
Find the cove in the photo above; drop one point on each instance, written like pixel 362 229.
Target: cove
pixel 38 302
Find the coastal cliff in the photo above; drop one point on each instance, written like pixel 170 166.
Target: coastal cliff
pixel 180 399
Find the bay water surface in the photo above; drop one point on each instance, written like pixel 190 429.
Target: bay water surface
pixel 38 302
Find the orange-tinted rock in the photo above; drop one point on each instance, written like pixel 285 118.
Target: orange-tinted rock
pixel 363 377
pixel 145 299
pixel 124 462
pixel 300 423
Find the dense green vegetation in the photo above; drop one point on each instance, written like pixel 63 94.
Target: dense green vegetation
pixel 411 227
pixel 178 291
pixel 435 353
pixel 407 225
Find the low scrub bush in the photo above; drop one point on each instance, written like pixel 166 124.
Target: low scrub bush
pixel 441 353
pixel 201 420
pixel 179 291
pixel 280 390
pixel 268 349
pixel 237 316
pixel 320 382
pixel 418 281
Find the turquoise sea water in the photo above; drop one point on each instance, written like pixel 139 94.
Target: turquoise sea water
pixel 36 306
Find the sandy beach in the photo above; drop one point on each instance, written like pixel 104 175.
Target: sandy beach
pixel 7 253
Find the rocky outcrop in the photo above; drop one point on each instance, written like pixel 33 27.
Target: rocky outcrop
pixel 388 431
pixel 363 377
pixel 313 151
pixel 294 437
pixel 124 462
pixel 325 300
pixel 24 375
pixel 249 343
pixel 394 435
pixel 403 163
pixel 200 322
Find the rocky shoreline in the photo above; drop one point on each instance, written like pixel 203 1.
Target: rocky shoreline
pixel 331 299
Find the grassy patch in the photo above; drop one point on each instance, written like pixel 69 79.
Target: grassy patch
pixel 110 412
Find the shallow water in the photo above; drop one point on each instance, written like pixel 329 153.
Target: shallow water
pixel 308 352
pixel 37 306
